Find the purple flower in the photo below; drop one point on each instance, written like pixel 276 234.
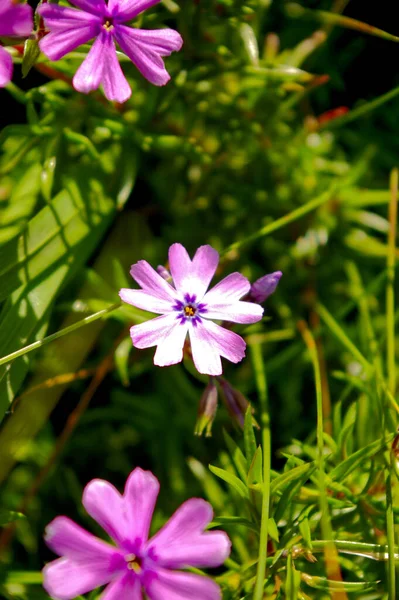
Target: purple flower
pixel 264 287
pixel 187 307
pixel 15 21
pixel 69 28
pixel 136 563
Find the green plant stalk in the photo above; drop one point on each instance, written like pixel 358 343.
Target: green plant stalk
pixel 330 552
pixel 58 334
pixel 362 110
pixel 390 537
pixel 283 221
pixel 390 292
pixel 256 353
pixel 391 370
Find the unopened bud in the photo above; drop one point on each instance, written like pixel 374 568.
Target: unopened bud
pixel 207 409
pixel 264 287
pixel 164 273
pixel 236 403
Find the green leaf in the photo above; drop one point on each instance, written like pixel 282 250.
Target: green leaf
pixel 249 437
pixel 356 459
pixel 122 354
pixel 282 481
pixel 232 480
pixel 9 516
pixel 255 474
pixel 322 583
pixel 237 456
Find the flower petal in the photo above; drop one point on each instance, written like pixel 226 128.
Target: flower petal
pixel 145 49
pixel 236 312
pixel 105 505
pixel 127 587
pixel 16 20
pixel 163 584
pixel 231 288
pixel 152 282
pixel 170 349
pixel 192 277
pixel 125 10
pixel 95 7
pixel 90 73
pixel 180 266
pixel 6 67
pixel 68 539
pixel 146 301
pixel 115 85
pixel 265 286
pixel 65 579
pixel 69 28
pixel 140 496
pixel 210 341
pixel 166 332
pixel 182 541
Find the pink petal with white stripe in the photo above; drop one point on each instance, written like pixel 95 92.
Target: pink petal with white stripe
pixel 141 492
pixel 236 312
pixel 175 585
pixel 151 333
pixel 146 301
pixel 170 349
pixel 210 341
pixel 195 276
pixel 182 541
pixel 231 288
pixel 151 281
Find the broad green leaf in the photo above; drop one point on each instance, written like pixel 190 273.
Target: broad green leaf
pixel 255 474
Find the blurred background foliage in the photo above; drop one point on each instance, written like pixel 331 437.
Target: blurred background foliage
pixel 268 145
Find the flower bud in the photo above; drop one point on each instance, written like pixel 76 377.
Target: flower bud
pixel 207 409
pixel 236 403
pixel 164 273
pixel 264 287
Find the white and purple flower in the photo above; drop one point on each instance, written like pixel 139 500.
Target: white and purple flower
pixel 187 307
pixel 15 21
pixel 69 28
pixel 137 563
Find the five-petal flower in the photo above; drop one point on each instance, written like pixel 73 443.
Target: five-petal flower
pixel 15 21
pixel 136 563
pixel 69 28
pixel 187 307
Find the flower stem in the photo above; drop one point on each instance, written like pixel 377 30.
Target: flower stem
pixel 54 336
pixel 260 377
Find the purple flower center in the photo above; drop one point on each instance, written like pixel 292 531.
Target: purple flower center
pixel 108 23
pixel 133 563
pixel 189 310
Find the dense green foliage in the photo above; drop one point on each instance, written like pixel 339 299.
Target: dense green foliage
pixel 232 152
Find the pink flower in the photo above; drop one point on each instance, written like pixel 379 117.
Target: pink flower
pixel 136 563
pixel 69 28
pixel 187 307
pixel 15 21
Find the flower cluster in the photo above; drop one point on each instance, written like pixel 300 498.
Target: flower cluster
pixel 105 21
pixel 136 563
pixel 15 21
pixel 186 307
